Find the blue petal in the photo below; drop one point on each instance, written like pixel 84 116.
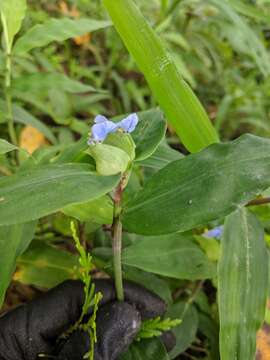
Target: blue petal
pixel 215 233
pixel 110 126
pixel 100 119
pixel 101 129
pixel 129 123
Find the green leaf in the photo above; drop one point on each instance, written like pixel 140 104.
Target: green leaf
pixel 174 256
pixel 45 266
pixel 99 211
pixel 149 132
pixel 161 157
pixel 29 195
pixel 13 241
pixel 56 30
pixel 149 281
pixel 201 187
pixel 152 349
pixel 185 333
pixel 242 285
pixel 73 151
pixel 12 15
pixel 180 105
pixel 43 82
pixel 6 147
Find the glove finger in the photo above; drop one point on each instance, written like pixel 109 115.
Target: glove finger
pixel 54 312
pixel 117 325
pixel 77 345
pixel 147 303
pixel 33 328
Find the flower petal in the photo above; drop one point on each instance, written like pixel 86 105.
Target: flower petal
pixel 129 123
pixel 215 233
pixel 100 119
pixel 100 130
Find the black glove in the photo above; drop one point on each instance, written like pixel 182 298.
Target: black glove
pixel 34 329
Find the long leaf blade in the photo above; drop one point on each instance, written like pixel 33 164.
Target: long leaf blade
pixel 29 195
pixel 13 241
pixel 200 187
pixel 181 107
pixel 242 285
pixel 56 30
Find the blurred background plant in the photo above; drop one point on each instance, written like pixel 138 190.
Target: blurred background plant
pixel 221 49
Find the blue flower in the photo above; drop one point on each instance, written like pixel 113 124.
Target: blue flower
pixel 101 129
pixel 129 123
pixel 104 127
pixel 214 233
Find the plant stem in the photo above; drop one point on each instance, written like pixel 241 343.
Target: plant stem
pixel 259 201
pixel 193 296
pixel 8 97
pixel 11 128
pixel 117 238
pixel 117 250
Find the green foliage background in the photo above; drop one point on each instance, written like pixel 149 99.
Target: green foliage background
pixel 58 85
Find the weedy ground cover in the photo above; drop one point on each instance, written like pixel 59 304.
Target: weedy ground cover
pixel 146 126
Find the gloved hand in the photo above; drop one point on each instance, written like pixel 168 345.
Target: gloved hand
pixel 34 329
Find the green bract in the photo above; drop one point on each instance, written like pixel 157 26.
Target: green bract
pixel 122 141
pixel 110 160
pixel 115 155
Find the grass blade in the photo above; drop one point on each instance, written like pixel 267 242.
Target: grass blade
pixel 182 108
